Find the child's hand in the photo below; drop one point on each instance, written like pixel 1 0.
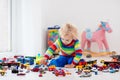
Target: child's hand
pixel 43 61
pixel 69 66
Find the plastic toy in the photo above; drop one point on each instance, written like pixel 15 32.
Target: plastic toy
pixel 17 56
pixel 86 72
pixel 59 72
pixel 2 72
pixel 51 68
pixel 42 71
pixel 29 60
pixel 110 62
pixel 86 75
pixel 67 72
pixel 24 60
pixel 95 70
pixel 84 63
pixel 101 68
pixel 40 75
pixel 111 70
pixel 4 59
pixel 10 64
pixel 44 67
pixel 21 74
pixel 97 36
pixel 1 61
pixel 1 67
pixel 53 35
pixel 38 58
pixel 92 62
pixel 21 60
pixel 36 68
pixel 15 71
pixel 117 57
pixel 11 60
pixel 79 71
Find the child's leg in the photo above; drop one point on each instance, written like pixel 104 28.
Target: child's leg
pixel 61 61
pixel 70 59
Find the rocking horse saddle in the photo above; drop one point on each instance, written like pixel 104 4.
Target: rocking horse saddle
pixel 88 34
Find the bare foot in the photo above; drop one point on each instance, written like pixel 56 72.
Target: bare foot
pixel 69 66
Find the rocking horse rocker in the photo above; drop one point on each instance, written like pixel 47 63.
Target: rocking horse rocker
pixel 97 36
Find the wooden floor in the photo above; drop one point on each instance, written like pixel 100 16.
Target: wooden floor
pixel 98 54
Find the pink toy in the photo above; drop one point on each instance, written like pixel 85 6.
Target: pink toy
pixel 97 36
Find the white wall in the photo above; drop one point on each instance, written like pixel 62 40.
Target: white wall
pixel 34 16
pixel 5 39
pixel 27 37
pixel 85 14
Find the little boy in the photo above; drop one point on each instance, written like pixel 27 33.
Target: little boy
pixel 69 45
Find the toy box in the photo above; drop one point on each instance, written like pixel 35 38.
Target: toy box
pixel 53 35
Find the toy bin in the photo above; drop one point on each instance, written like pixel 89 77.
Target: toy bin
pixel 53 35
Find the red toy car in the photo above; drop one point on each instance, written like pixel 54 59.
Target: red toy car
pixel 21 74
pixel 40 75
pixel 101 68
pixel 59 72
pixel 51 68
pixel 35 69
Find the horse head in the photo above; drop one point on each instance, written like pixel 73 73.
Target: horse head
pixel 105 26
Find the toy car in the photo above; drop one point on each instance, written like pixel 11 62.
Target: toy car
pixel 59 72
pixel 85 75
pixel 40 75
pixel 51 68
pixel 117 57
pixel 42 71
pixel 11 60
pixel 111 70
pixel 67 72
pixel 113 64
pixel 101 68
pixel 2 72
pixel 36 68
pixel 21 74
pixel 15 71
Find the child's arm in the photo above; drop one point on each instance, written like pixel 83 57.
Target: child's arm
pixel 51 50
pixel 78 53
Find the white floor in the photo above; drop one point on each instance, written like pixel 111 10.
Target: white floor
pixel 73 76
pixel 50 76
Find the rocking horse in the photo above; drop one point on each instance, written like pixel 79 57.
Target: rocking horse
pixel 97 36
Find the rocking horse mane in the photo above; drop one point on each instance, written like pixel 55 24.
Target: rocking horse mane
pixel 104 26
